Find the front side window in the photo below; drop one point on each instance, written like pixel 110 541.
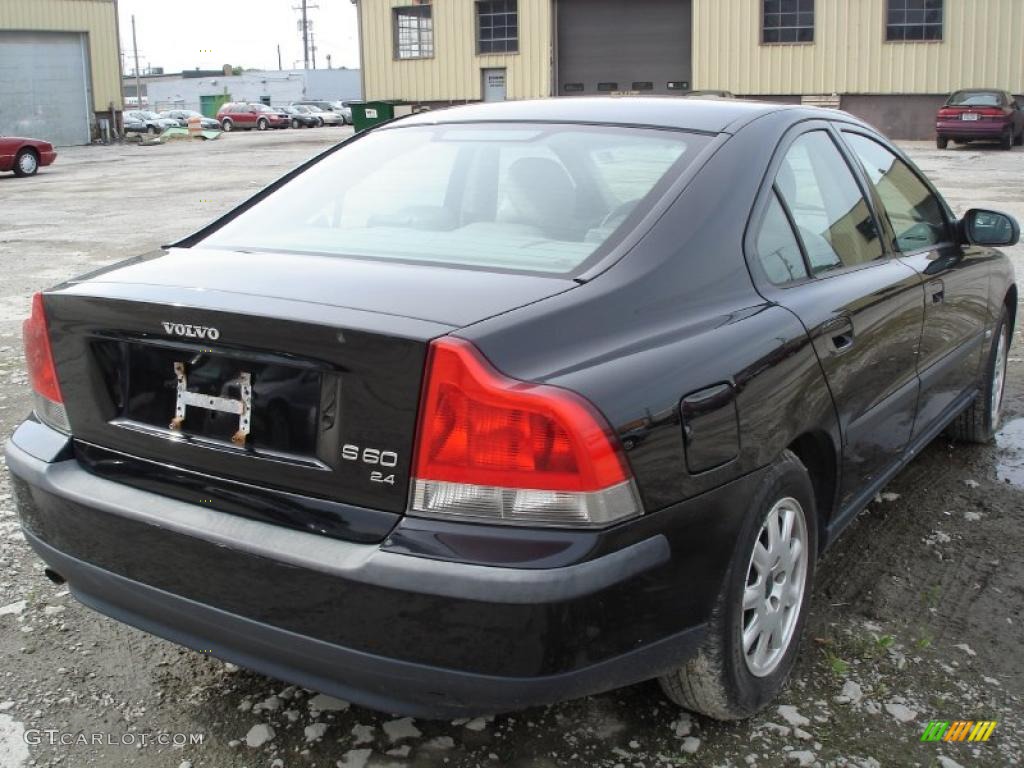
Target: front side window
pixel 414 32
pixel 539 198
pixel 787 21
pixel 832 217
pixel 914 213
pixel 497 26
pixel 914 20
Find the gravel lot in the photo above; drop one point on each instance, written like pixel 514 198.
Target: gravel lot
pixel 918 613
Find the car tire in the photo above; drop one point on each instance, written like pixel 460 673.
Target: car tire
pixel 1007 141
pixel 295 123
pixel 227 126
pixel 979 422
pixel 151 130
pixel 319 122
pixel 262 124
pixel 723 680
pixel 26 163
pixel 941 142
pixel 1019 141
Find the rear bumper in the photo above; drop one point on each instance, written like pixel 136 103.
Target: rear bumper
pixel 393 631
pixel 979 129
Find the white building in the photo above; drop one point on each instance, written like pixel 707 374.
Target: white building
pixel 206 94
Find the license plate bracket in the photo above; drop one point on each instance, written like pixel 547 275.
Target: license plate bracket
pixel 242 407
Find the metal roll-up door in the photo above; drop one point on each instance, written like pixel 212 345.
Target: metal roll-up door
pixel 610 45
pixel 44 87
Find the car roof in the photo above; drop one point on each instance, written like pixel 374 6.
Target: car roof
pixel 710 116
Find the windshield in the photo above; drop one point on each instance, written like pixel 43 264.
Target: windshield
pixel 503 196
pixel 975 99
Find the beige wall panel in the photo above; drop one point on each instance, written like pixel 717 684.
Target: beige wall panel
pixel 95 17
pixel 454 71
pixel 983 45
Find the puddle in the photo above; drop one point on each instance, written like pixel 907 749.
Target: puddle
pixel 1010 459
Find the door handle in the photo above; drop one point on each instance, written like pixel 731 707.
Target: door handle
pixel 839 332
pixel 937 291
pixel 843 341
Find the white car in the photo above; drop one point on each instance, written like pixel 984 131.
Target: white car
pixel 327 117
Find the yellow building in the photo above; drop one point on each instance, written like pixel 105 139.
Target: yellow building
pixel 890 61
pixel 60 70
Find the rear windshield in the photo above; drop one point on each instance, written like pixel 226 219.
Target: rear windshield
pixel 975 99
pixel 537 198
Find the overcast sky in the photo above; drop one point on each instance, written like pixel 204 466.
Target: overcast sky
pixel 185 34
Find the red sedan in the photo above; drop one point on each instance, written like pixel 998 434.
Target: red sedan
pixel 25 156
pixel 980 114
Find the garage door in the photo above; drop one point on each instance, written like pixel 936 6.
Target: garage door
pixel 609 45
pixel 43 87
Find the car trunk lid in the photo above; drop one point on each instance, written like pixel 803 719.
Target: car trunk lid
pixel 294 381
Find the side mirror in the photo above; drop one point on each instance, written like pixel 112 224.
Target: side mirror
pixel 991 228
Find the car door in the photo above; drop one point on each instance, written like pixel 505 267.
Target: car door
pixel 824 259
pixel 924 235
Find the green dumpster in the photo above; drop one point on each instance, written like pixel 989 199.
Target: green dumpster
pixel 366 114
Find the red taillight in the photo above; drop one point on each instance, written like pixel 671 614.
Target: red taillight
pixel 496 448
pixel 38 354
pixel 479 426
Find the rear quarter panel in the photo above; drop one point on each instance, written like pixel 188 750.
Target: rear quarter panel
pixel 676 315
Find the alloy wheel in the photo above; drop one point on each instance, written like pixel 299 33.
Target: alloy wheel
pixel 774 591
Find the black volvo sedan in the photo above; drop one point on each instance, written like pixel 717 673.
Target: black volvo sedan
pixel 512 403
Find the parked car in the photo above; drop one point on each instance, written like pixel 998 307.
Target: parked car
pixel 328 117
pixel 25 156
pixel 329 106
pixel 247 115
pixel 466 310
pixel 182 116
pixel 345 110
pixel 980 115
pixel 302 117
pixel 151 122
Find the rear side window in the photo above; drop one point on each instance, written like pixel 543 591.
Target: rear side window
pixel 777 247
pixel 832 217
pixel 539 198
pixel 914 213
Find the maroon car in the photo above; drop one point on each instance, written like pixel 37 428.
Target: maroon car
pixel 980 115
pixel 247 115
pixel 24 156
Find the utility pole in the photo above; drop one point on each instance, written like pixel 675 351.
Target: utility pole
pixel 312 48
pixel 305 36
pixel 279 67
pixel 305 24
pixel 138 80
pixel 328 61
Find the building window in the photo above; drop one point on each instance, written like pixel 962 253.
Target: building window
pixel 497 26
pixel 788 21
pixel 914 20
pixel 414 32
